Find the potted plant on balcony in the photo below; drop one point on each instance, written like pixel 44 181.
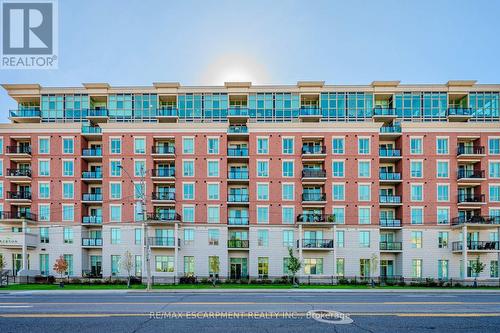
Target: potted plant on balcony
pixel 331 218
pixel 477 267
pixel 294 265
pixel 60 267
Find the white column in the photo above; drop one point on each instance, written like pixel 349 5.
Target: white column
pixel 25 248
pixel 176 250
pixel 300 249
pixel 334 273
pixel 464 250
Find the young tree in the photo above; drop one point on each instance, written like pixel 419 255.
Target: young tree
pixel 373 268
pixel 127 263
pixel 477 267
pixel 294 265
pixel 60 267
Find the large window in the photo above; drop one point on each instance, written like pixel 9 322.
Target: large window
pixel 313 266
pixel 164 264
pixel 484 104
pixel 364 239
pixel 416 239
pixel 416 268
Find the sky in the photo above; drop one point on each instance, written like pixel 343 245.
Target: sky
pixel 137 42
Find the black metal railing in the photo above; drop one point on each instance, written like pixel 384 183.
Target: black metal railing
pixel 19 195
pixel 390 199
pixel 313 196
pixel 91 241
pixel 164 216
pixel 461 174
pixel 391 246
pixel 19 172
pixel 237 220
pixel 238 243
pixel 163 150
pixel 316 243
pixel 384 152
pixel 459 111
pixel 476 246
pixel 237 197
pixel 313 150
pixel 92 196
pixel 384 111
pixel 162 241
pixel 316 218
pixel 390 223
pixel 90 152
pixel 21 149
pixel 313 173
pixel 470 198
pixel 237 174
pixel 167 195
pixel 18 216
pixel 236 152
pixel 470 150
pixel 90 219
pixel 163 172
pixel 390 176
pixel 475 219
pixel 92 174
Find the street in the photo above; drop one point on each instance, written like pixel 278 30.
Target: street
pixel 248 311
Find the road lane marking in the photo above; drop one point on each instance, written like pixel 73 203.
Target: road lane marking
pixel 249 303
pixel 15 306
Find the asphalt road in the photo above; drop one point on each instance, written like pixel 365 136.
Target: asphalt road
pixel 288 311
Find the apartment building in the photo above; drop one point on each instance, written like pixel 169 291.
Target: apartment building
pixel 386 179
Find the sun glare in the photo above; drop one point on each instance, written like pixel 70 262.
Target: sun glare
pixel 235 68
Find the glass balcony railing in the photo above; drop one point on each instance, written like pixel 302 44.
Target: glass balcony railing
pixel 236 152
pixel 167 112
pixel 92 152
pixel 100 112
pixel 313 173
pixel 309 111
pixel 313 150
pixel 163 172
pixel 384 152
pixel 237 243
pixel 384 111
pixel 91 241
pixel 476 246
pixel 92 174
pixel 237 129
pixel 390 223
pixel 91 130
pixel 390 199
pixel 313 196
pixel 237 174
pixel 317 243
pixel 164 216
pixel 315 218
pixel 237 220
pixel 390 129
pixel 237 112
pixel 476 219
pixel 389 176
pixel 237 197
pixel 92 196
pixel 25 113
pixel 163 150
pixel 90 219
pixel 162 241
pixel 391 246
pixel 166 195
pixel 459 111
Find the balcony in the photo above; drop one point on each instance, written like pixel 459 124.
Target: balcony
pixel 163 173
pixel 316 244
pixel 390 131
pixel 18 151
pixel 476 246
pixel 384 114
pixel 91 242
pixel 92 153
pixel 390 223
pixel 26 115
pixel 390 177
pixel 316 219
pixel 237 243
pixel 237 198
pixel 389 154
pixel 166 216
pixel 163 196
pixel 312 174
pixel 98 115
pixel 238 113
pixel 476 220
pixel 236 130
pixel 92 176
pixel 314 197
pixel 470 175
pixel 391 246
pixel 167 114
pixel 162 241
pixel 310 113
pixel 19 174
pixel 19 195
pixel 237 153
pixel 390 200
pixel 237 221
pixel 471 199
pixel 92 220
pixel 237 175
pixel 470 151
pixel 91 197
pixel 92 132
pixel 313 151
pixel 19 215
pixel 459 114
pixel 163 150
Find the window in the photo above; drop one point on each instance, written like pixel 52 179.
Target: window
pixel 287 146
pixel 287 192
pixel 363 146
pixel 442 239
pixel 213 265
pixel 417 215
pixel 43 168
pixel 44 190
pixel 43 146
pixel 139 190
pixel 188 236
pixel 262 168
pixel 494 268
pixel 68 190
pixel 442 146
pixel 213 237
pixel 417 192
pixel 286 262
pixel 139 168
pixel 364 169
pixel 188 265
pixel 288 238
pixel 68 212
pixel 364 192
pixel 188 191
pixel 443 215
pixel 416 239
pixel 68 146
pixel 338 169
pixel 287 215
pixel 187 213
pixel 140 145
pixel 263 266
pixel 68 168
pixel 164 264
pixel 213 191
pixel 262 145
pixel 339 213
pixel 338 192
pixel 115 190
pixel 494 170
pixel 115 213
pixel 494 193
pixel 44 212
pixel 416 169
pixel 138 236
pixel 442 269
pixel 339 236
pixel 340 264
pixel 364 239
pixel 262 191
pixel 364 267
pixel 213 146
pixel 263 238
pixel 188 168
pixel 188 146
pixel 262 214
pixel 442 169
pixel 213 215
pixel 115 264
pixel 416 268
pixel 364 215
pixel 44 264
pixel 213 168
pixel 287 169
pixel 68 235
pixel 313 266
pixel 69 260
pixel 494 146
pixel 416 146
pixel 443 192
pixel 116 235
pixel 115 169
pixel 338 146
pixel 115 145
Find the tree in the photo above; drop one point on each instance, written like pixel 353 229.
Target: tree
pixel 60 266
pixel 294 265
pixel 2 266
pixel 477 267
pixel 127 263
pixel 373 268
